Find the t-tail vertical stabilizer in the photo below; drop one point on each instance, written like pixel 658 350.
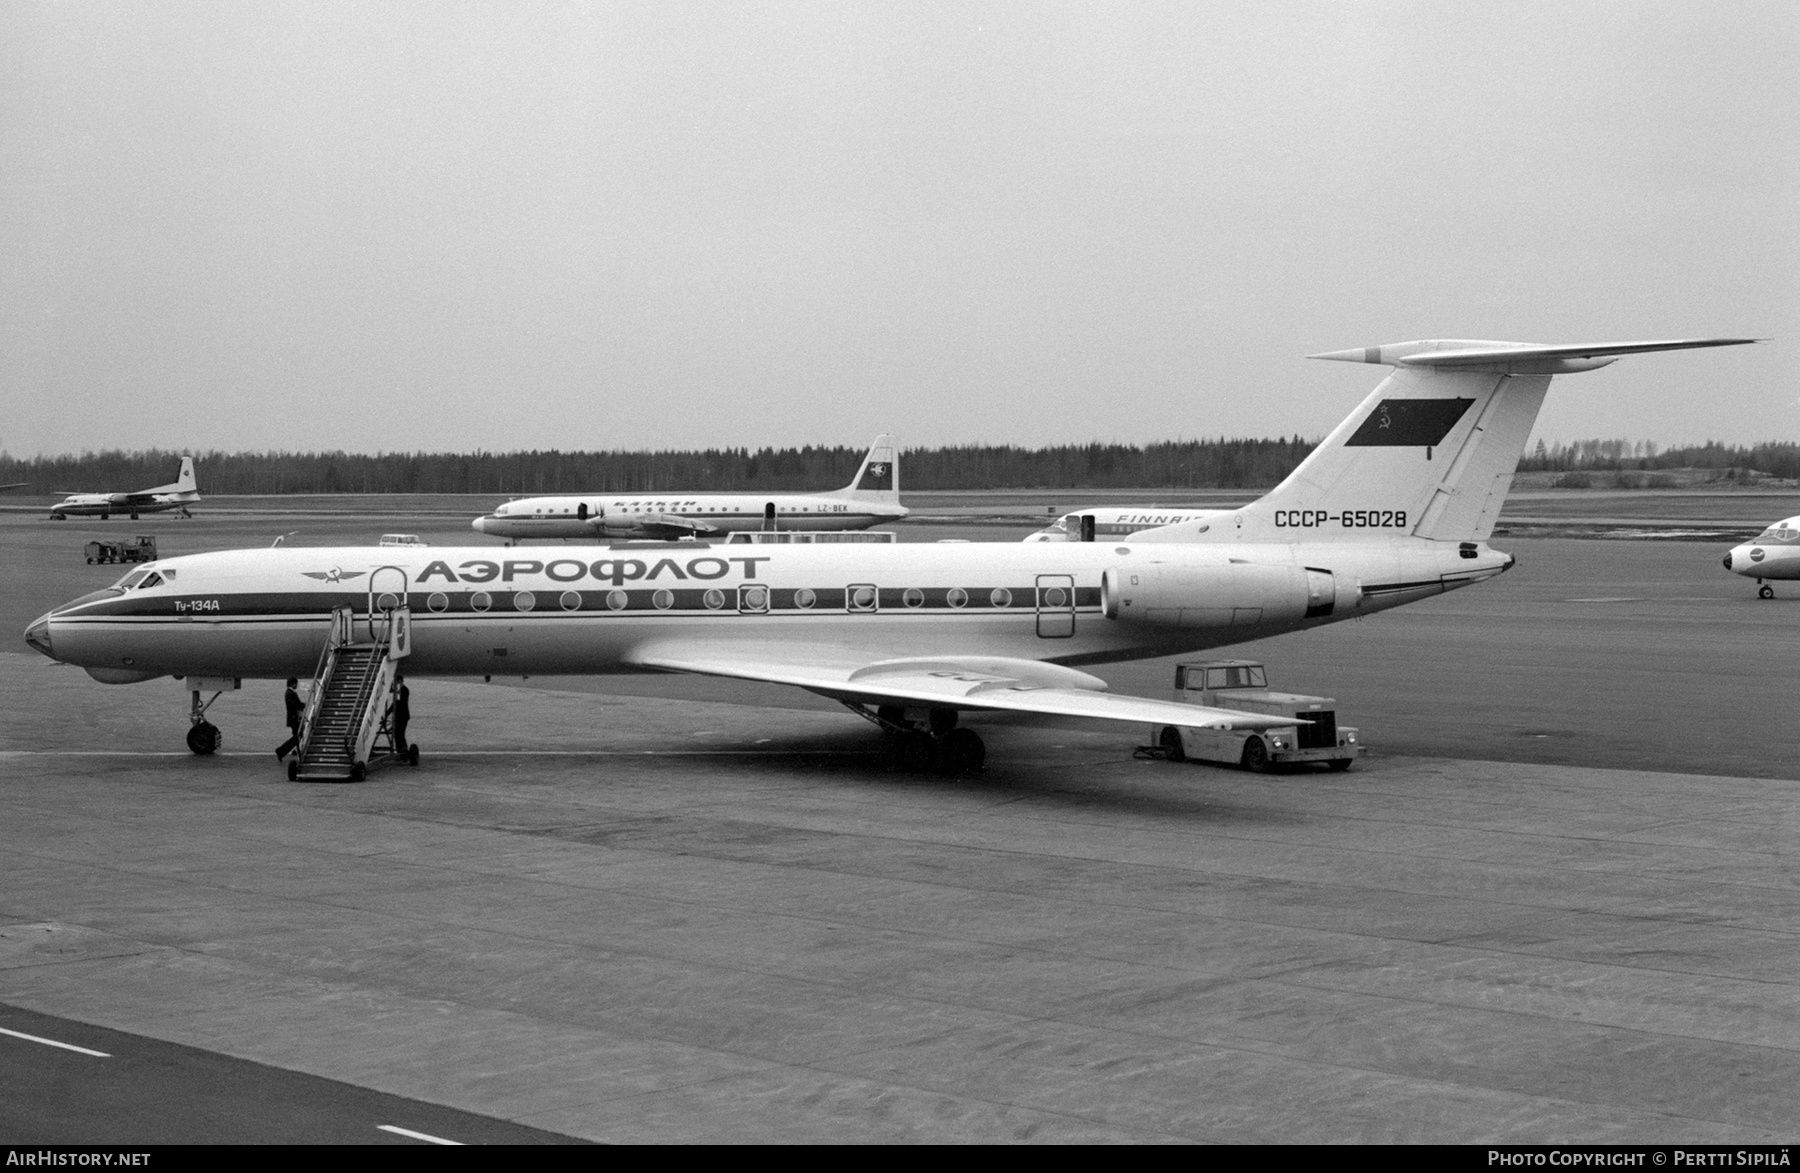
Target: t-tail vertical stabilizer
pixel 1430 453
pixel 879 477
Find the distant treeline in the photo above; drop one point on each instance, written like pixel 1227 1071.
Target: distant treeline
pixel 1185 464
pixel 1780 459
pixel 1197 464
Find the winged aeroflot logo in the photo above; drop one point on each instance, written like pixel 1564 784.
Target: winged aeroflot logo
pixel 333 575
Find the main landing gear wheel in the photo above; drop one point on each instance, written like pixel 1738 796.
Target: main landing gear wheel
pixel 1256 755
pixel 358 772
pixel 204 737
pixel 412 754
pixel 916 753
pixel 961 751
pixel 294 770
pixel 1170 740
pixel 1765 592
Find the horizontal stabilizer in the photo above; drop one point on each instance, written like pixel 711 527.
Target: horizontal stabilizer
pixel 1514 358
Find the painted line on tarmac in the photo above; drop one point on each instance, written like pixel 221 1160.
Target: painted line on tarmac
pixel 424 1136
pixel 19 1034
pixel 6 754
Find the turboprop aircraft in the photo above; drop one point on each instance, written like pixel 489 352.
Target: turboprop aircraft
pixel 872 497
pixel 1116 521
pixel 179 495
pixel 1394 506
pixel 1772 554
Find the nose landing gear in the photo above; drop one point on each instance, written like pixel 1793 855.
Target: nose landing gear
pixel 203 737
pixel 1764 590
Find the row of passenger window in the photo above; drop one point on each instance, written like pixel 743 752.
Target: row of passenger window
pixel 749 598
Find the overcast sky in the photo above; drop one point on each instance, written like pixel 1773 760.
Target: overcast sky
pixel 446 226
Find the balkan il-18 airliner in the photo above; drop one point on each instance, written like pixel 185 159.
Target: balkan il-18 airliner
pixel 1395 505
pixel 180 495
pixel 871 497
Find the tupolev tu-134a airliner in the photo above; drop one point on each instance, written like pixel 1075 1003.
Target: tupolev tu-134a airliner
pixel 871 497
pixel 1394 506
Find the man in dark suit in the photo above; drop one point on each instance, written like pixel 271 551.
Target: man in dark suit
pixel 295 707
pixel 402 712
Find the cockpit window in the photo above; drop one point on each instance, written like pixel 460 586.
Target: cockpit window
pixel 1781 531
pixel 130 580
pixel 155 579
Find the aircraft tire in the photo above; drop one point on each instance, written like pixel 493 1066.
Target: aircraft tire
pixel 1170 740
pixel 961 751
pixel 358 771
pixel 204 738
pixel 917 753
pixel 294 770
pixel 1765 592
pixel 412 754
pixel 1256 755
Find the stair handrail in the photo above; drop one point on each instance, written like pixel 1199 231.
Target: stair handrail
pixel 343 620
pixel 368 696
pixel 372 707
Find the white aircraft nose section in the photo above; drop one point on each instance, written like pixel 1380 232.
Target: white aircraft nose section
pixel 1746 559
pixel 37 634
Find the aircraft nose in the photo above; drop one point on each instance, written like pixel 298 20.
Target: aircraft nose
pixel 38 634
pixel 479 525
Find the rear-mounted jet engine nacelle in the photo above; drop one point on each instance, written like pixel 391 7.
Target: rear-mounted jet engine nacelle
pixel 1220 596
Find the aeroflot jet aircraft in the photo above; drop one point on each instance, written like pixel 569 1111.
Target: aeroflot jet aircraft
pixel 870 499
pixel 1394 506
pixel 179 495
pixel 1117 522
pixel 1774 553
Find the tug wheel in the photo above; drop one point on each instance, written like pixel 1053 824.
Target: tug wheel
pixel 1170 740
pixel 1256 755
pixel 1339 765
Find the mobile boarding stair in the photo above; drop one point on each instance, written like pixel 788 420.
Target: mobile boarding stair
pixel 346 729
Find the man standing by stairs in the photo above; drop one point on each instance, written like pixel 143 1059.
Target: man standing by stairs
pixel 295 707
pixel 402 712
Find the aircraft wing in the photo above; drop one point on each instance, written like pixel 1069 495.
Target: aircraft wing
pixel 967 683
pixel 650 525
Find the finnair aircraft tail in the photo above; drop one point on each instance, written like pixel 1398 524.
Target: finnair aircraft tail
pixel 879 477
pixel 184 483
pixel 1430 453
